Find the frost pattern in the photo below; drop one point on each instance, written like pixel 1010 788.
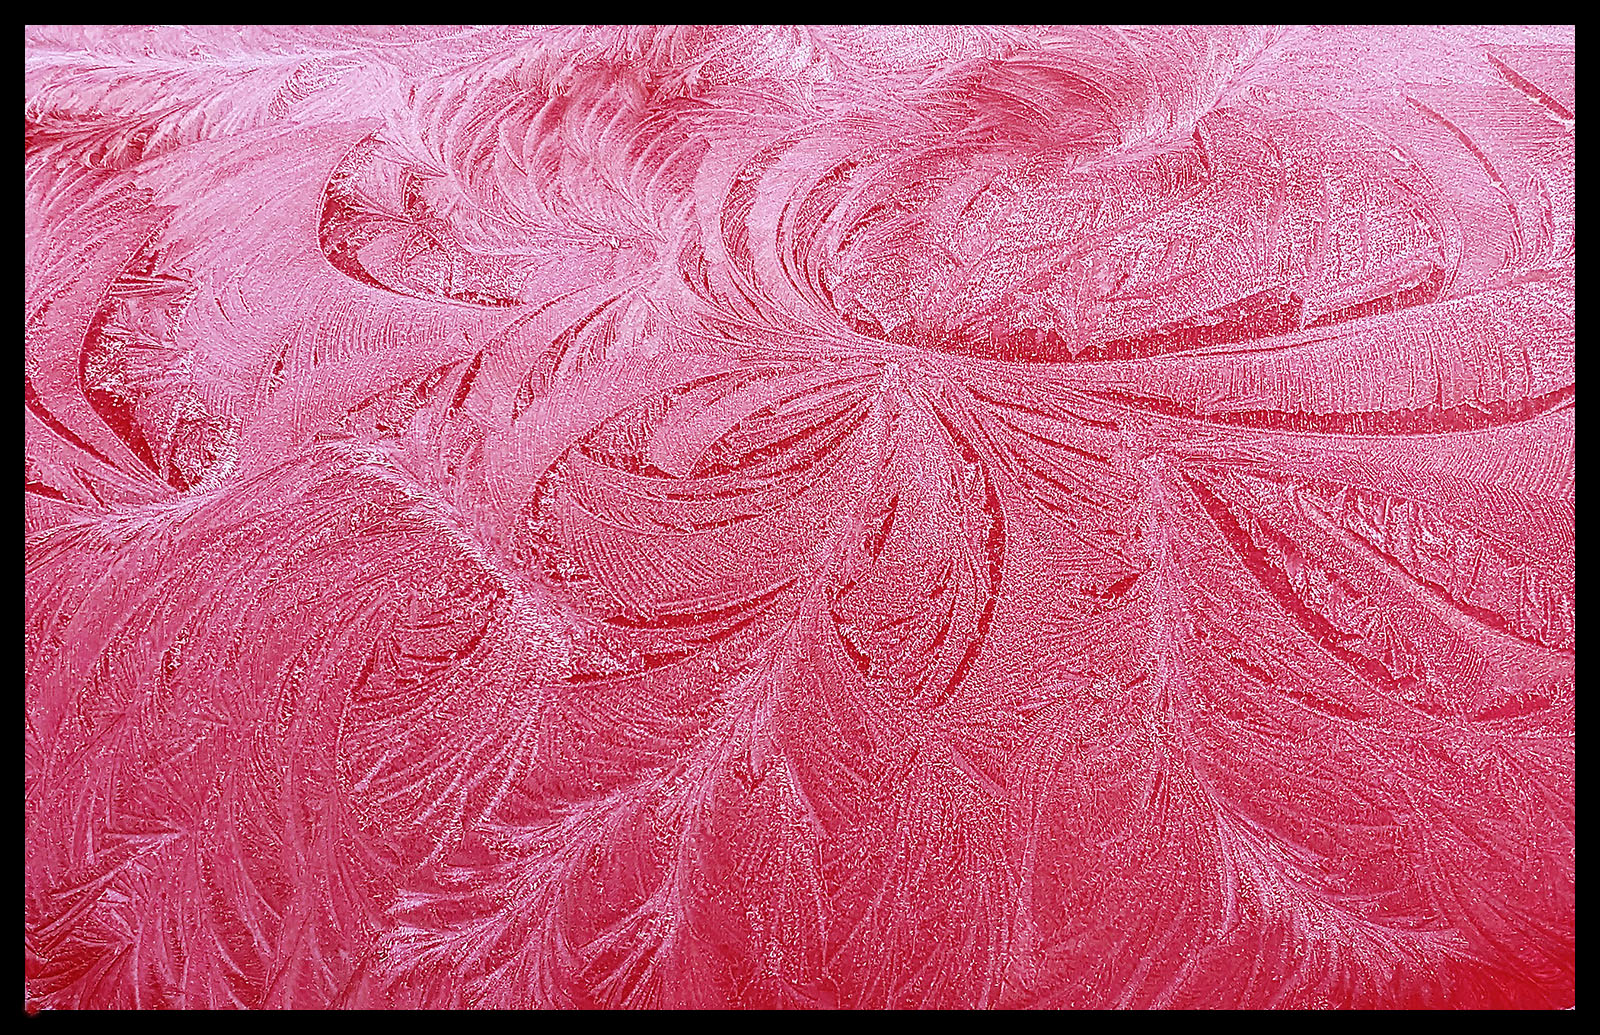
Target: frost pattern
pixel 799 517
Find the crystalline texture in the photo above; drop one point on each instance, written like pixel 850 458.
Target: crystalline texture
pixel 852 517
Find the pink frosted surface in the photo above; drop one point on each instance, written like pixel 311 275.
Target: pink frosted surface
pixel 833 517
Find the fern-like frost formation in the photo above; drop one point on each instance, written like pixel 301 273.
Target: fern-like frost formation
pixel 787 517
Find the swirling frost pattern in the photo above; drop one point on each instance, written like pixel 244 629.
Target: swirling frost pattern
pixel 887 517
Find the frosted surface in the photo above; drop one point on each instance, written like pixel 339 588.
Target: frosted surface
pixel 799 517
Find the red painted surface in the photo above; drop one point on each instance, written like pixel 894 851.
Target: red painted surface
pixel 772 517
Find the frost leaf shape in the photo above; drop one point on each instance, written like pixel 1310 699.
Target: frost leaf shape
pixel 638 516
